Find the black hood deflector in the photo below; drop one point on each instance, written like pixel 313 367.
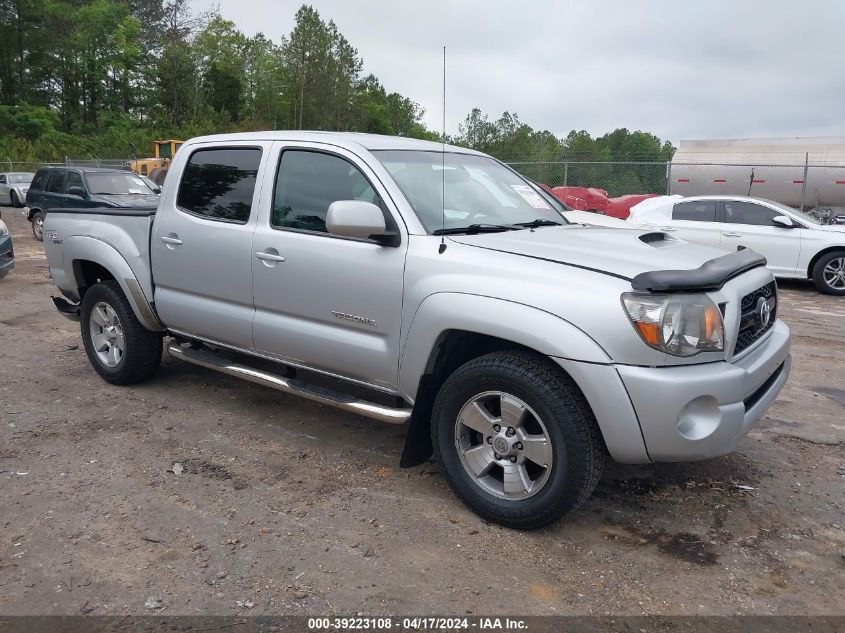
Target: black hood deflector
pixel 711 275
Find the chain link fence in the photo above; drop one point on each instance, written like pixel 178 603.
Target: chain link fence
pixel 803 186
pixel 809 186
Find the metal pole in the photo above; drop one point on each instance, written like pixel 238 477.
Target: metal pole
pixel 804 182
pixel 668 177
pixel 565 173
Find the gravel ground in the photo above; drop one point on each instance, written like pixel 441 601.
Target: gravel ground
pixel 288 507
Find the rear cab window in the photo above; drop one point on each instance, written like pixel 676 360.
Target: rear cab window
pixel 218 183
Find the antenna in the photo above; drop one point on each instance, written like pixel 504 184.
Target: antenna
pixel 442 247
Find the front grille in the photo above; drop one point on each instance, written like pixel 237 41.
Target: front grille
pixel 753 323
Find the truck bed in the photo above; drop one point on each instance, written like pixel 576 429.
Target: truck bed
pixel 121 235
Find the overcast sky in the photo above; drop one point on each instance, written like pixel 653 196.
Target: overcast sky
pixel 679 69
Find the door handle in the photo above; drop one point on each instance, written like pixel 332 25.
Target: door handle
pixel 732 234
pixel 269 256
pixel 171 239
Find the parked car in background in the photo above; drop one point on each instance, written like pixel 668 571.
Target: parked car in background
pixel 13 187
pixel 795 244
pixel 7 253
pixel 84 187
pixel 433 286
pixel 620 207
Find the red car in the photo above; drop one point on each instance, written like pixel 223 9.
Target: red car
pixel 621 207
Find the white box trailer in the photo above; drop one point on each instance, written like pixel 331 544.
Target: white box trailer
pixel 788 170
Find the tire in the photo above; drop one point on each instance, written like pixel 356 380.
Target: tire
pixel 37 220
pixel 556 423
pixel 829 273
pixel 107 320
pixel 13 200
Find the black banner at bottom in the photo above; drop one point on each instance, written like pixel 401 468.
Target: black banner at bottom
pixel 380 624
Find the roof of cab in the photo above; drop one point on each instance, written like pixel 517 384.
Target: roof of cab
pixel 348 140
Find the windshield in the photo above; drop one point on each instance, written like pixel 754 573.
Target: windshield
pixel 20 179
pixel 116 184
pixel 478 190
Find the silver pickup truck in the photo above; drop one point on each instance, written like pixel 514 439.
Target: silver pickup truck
pixel 431 286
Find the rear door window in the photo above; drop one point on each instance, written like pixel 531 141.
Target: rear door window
pixel 57 182
pixel 219 183
pixel 695 211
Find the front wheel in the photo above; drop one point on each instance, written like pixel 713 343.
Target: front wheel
pixel 13 199
pixel 37 220
pixel 829 273
pixel 120 349
pixel 516 439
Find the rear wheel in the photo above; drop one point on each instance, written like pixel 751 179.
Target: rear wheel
pixel 13 199
pixel 829 273
pixel 37 220
pixel 120 349
pixel 516 439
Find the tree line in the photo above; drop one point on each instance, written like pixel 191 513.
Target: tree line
pixel 85 78
pixel 89 77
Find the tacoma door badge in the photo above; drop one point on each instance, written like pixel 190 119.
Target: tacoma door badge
pixel 354 317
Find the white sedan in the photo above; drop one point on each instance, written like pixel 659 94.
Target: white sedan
pixel 795 244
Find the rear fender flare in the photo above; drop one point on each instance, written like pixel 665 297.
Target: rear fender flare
pixel 91 249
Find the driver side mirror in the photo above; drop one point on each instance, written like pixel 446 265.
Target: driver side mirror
pixel 76 191
pixel 359 219
pixel 783 222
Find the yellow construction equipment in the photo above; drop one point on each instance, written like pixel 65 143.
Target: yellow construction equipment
pixel 164 152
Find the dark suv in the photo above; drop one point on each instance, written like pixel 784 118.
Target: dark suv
pixel 83 187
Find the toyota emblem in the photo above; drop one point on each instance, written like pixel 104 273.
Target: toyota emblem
pixel 763 311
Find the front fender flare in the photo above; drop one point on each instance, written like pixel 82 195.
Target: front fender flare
pixel 525 325
pixel 79 247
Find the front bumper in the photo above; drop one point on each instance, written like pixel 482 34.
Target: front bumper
pixel 684 412
pixel 699 411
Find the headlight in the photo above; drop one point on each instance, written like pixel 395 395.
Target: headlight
pixel 3 230
pixel 681 325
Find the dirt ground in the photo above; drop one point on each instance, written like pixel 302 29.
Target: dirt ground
pixel 288 507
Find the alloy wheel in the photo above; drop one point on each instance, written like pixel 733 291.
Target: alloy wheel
pixel 834 273
pixel 503 445
pixel 106 334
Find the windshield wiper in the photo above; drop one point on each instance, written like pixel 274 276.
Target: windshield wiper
pixel 538 222
pixel 473 228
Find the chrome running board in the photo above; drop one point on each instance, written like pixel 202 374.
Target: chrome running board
pixel 204 358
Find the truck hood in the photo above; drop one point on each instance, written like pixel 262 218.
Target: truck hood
pixel 618 252
pixel 128 200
